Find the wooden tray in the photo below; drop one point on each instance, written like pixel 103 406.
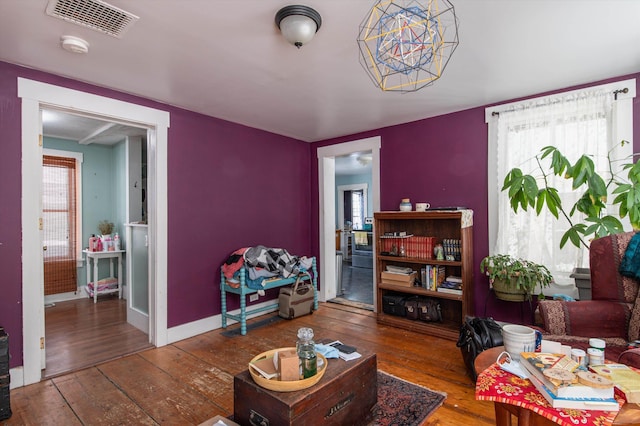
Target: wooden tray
pixel 287 386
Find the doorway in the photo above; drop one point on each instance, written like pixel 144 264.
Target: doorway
pixel 327 159
pixel 96 158
pixel 36 96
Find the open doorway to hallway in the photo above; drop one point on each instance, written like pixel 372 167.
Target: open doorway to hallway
pixel 36 96
pixel 94 172
pixel 330 255
pixel 354 245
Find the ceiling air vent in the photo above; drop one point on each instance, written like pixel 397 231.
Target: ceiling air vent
pixel 94 14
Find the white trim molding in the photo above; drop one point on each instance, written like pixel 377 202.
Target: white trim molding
pixel 327 201
pixel 36 96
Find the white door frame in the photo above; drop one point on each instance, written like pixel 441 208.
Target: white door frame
pixel 36 96
pixel 327 195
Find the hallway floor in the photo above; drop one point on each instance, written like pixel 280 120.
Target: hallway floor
pixel 357 286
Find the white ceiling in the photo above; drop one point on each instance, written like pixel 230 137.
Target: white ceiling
pixel 226 58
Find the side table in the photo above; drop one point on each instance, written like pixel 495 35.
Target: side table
pixel 629 414
pixel 95 256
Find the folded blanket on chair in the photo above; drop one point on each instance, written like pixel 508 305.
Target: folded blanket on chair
pixel 630 265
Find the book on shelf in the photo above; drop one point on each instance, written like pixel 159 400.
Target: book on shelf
pixel 397 234
pixel 537 363
pixel 432 276
pixel 398 276
pixel 604 404
pixel 453 279
pixel 623 377
pixel 399 269
pixel 456 291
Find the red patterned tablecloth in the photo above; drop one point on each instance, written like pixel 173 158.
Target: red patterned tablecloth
pixel 495 384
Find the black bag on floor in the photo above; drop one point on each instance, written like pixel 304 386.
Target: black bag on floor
pixel 477 335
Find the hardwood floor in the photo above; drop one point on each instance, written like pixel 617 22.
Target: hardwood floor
pixel 191 380
pixel 80 333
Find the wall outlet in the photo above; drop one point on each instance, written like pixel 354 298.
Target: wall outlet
pixel 253 297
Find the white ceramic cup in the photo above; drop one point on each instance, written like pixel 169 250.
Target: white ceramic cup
pixel 518 338
pixel 422 207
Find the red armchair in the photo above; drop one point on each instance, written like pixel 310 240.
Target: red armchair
pixel 613 314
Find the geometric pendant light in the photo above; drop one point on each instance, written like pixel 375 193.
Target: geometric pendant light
pixel 405 45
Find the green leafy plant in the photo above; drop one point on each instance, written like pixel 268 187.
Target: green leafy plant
pixel 105 227
pixel 521 274
pixel 526 190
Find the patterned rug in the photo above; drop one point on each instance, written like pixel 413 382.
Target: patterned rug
pixel 403 403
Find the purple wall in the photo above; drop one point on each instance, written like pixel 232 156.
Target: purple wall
pixel 229 186
pixel 224 195
pixel 443 161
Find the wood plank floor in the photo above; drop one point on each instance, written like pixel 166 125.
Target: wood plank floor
pixel 191 380
pixel 80 333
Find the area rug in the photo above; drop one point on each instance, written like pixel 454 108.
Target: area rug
pixel 252 326
pixel 403 403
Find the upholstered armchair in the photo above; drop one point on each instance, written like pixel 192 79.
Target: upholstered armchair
pixel 613 314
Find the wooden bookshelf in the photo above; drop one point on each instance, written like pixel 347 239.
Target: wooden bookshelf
pixel 454 225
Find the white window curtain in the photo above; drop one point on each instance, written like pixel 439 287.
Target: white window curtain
pixel 576 123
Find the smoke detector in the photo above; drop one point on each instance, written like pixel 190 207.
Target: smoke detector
pixel 94 14
pixel 74 44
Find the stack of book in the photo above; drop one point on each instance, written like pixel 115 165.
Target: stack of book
pixel 403 277
pixel 432 276
pixel 451 285
pixel 557 378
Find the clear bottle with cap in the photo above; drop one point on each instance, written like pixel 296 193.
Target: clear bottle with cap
pixel 306 353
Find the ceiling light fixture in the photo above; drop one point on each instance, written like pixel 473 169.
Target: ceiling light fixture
pixel 74 44
pixel 298 24
pixel 405 45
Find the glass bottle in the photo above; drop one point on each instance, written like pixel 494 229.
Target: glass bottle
pixel 306 353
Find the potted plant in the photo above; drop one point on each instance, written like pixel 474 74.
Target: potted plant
pixel 106 228
pixel 585 217
pixel 514 279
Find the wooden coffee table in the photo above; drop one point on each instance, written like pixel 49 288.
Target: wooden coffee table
pixel 344 395
pixel 628 415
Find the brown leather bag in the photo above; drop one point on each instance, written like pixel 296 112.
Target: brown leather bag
pixel 429 310
pixel 297 300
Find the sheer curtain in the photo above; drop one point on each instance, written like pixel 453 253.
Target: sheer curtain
pixel 576 124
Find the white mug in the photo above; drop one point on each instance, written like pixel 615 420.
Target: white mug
pixel 422 207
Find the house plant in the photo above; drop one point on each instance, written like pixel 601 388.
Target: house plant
pixel 105 227
pixel 586 217
pixel 514 279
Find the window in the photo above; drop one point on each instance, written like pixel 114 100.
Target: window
pixel 62 204
pixel 590 120
pixel 357 209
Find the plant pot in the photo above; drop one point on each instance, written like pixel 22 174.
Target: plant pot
pixel 508 291
pixel 582 277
